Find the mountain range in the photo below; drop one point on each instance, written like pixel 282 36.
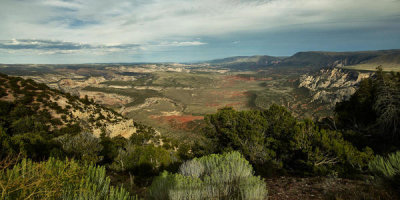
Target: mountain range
pixel 315 59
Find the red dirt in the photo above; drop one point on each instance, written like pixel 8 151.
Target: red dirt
pixel 177 118
pixel 232 80
pixel 218 97
pixel 235 104
pixel 179 122
pixel 212 104
pixel 239 94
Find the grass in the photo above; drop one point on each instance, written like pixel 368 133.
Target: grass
pixel 178 79
pixel 138 96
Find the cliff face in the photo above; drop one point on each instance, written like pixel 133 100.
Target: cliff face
pixel 332 85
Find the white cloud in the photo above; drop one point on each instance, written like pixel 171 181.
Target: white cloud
pixel 181 44
pixel 47 47
pixel 61 4
pixel 158 22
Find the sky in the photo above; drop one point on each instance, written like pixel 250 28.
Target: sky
pixel 116 31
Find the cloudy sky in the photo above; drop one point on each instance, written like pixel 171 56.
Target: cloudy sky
pixel 98 31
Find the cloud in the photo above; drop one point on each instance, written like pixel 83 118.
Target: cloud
pixel 28 44
pixel 89 25
pixel 54 46
pixel 62 4
pixel 181 44
pixel 142 21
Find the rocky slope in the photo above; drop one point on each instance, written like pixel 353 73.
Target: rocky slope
pixel 332 85
pixel 64 108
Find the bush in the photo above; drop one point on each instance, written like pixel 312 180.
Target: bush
pixel 226 176
pixel 55 179
pixel 387 170
pixel 323 151
pixel 111 147
pixel 244 131
pixel 142 160
pixel 273 140
pixel 83 146
pixel 373 111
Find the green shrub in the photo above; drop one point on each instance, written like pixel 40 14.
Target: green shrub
pixel 244 131
pixel 226 176
pixel 144 160
pixel 84 146
pixel 387 170
pixel 273 140
pixel 111 147
pixel 373 111
pixel 55 179
pixel 324 151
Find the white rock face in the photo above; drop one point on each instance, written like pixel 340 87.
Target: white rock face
pixel 332 85
pixel 113 126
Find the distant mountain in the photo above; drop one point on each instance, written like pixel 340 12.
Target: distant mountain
pixel 250 59
pixel 246 62
pixel 320 59
pixel 316 59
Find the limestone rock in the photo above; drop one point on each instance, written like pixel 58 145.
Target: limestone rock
pixel 332 85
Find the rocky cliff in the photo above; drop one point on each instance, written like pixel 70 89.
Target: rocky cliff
pixel 332 85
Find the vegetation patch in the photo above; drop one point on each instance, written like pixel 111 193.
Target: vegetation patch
pixel 226 176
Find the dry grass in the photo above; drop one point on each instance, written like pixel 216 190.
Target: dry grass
pixel 372 67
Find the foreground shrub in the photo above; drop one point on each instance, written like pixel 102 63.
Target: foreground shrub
pixel 387 170
pixel 226 176
pixel 144 160
pixel 82 146
pixel 55 179
pixel 275 140
pixel 373 112
pixel 321 151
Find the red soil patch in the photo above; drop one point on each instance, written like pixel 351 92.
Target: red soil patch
pixel 179 122
pixel 212 104
pixel 183 118
pixel 177 118
pixel 221 95
pixel 239 94
pixel 232 80
pixel 235 104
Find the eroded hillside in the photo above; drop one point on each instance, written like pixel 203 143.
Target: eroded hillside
pixel 64 109
pixel 332 85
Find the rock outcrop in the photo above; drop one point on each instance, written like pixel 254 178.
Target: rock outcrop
pixel 332 85
pixel 65 109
